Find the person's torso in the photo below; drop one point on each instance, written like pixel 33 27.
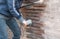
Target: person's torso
pixel 4 7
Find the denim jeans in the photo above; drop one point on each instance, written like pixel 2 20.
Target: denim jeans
pixel 12 24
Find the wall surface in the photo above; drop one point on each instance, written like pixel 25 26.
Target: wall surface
pixel 50 19
pixel 34 12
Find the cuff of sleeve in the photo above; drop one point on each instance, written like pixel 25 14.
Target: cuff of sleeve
pixel 21 19
pixel 18 17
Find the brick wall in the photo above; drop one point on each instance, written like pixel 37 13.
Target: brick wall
pixel 34 12
pixel 47 19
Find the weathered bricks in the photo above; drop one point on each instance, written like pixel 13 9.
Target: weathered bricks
pixel 34 12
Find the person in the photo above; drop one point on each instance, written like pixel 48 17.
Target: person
pixel 9 10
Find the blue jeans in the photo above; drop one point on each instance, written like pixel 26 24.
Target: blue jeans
pixel 12 24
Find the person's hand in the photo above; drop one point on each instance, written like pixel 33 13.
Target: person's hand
pixel 39 1
pixel 27 22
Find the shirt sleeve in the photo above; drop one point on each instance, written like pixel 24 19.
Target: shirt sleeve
pixel 12 8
